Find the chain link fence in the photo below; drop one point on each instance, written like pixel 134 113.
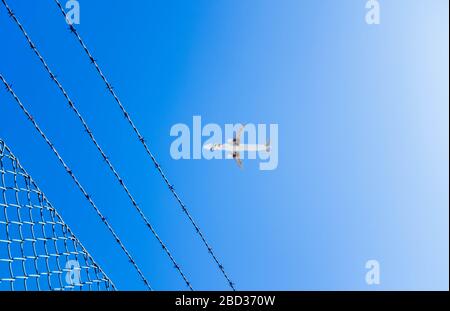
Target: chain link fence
pixel 38 251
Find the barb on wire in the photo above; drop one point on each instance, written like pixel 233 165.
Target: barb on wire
pixel 74 178
pixel 145 145
pixel 100 150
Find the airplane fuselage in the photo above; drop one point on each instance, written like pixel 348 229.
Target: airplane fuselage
pixel 242 147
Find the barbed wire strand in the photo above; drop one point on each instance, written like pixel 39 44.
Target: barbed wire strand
pixel 74 178
pixel 100 150
pixel 145 145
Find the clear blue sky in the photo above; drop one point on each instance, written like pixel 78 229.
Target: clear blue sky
pixel 363 136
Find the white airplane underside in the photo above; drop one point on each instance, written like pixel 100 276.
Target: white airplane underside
pixel 234 147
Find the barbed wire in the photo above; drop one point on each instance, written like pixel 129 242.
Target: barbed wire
pixel 39 250
pixel 75 179
pixel 145 145
pixel 100 150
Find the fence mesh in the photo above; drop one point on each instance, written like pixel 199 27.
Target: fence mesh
pixel 38 251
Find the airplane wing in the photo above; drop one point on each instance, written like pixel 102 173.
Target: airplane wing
pixel 237 138
pixel 238 159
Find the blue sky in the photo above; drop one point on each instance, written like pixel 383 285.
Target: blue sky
pixel 363 136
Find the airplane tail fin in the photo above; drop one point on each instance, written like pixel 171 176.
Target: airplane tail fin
pixel 268 146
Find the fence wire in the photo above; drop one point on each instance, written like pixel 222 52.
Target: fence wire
pixel 76 181
pixel 142 140
pixel 89 132
pixel 38 251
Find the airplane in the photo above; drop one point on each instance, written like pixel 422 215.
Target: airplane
pixel 234 147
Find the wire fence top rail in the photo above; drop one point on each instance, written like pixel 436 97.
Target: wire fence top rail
pixel 145 145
